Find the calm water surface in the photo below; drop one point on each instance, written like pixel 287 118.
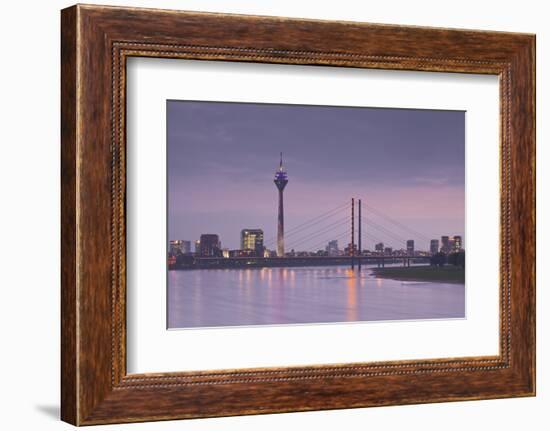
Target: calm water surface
pixel 276 296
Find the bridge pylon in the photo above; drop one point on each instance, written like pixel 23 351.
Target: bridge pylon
pixel 352 243
pixel 359 235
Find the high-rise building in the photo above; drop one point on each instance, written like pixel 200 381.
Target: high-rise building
pixel 176 246
pixel 281 180
pixel 457 243
pixel 253 239
pixel 410 247
pixel 197 247
pixel 186 247
pixel 379 247
pixel 179 246
pixel 451 245
pixel 388 251
pixel 332 248
pixel 434 246
pixel 445 244
pixel 210 245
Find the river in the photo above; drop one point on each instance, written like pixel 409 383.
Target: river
pixel 299 295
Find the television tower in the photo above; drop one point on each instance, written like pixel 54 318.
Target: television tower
pixel 281 180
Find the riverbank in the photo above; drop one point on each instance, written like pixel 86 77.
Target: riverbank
pixel 444 274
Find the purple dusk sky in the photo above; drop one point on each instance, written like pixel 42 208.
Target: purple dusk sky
pixel 407 164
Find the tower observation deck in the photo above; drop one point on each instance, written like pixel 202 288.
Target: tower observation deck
pixel 281 180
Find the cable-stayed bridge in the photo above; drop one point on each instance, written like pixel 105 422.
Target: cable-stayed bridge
pixel 353 222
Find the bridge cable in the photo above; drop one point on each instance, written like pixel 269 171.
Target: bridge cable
pixel 324 230
pixel 325 241
pixel 395 222
pixel 311 222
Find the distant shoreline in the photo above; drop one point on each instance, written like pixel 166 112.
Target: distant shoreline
pixel 445 274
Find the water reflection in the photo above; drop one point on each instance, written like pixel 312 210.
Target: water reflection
pixel 352 314
pixel 276 296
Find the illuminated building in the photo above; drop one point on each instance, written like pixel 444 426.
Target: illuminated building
pixel 179 246
pixel 281 180
pixel 175 247
pixel 451 244
pixel 253 239
pixel 457 243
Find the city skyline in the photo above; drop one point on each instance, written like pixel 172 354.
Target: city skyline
pixel 221 162
pixel 255 236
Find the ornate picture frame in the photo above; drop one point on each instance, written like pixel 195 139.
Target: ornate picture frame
pixel 96 41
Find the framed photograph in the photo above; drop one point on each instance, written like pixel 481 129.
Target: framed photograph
pixel 264 215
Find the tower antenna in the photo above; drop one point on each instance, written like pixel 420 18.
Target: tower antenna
pixel 281 181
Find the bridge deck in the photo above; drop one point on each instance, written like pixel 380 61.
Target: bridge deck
pixel 255 262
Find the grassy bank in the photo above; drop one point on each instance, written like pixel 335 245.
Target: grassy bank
pixel 445 274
